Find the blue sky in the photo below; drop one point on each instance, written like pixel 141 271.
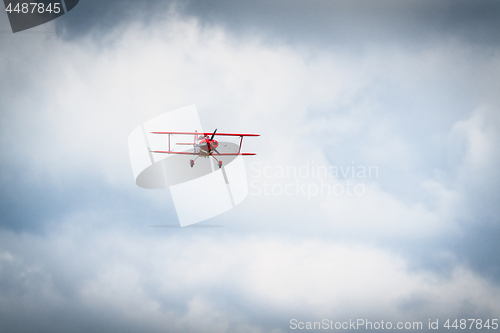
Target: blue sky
pixel 411 88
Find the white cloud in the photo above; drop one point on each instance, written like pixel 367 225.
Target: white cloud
pixel 223 282
pixel 480 133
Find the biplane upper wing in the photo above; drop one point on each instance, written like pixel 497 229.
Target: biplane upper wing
pixel 200 133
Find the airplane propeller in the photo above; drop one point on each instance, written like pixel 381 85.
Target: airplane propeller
pixel 212 139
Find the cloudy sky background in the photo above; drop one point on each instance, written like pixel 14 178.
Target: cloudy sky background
pixel 408 87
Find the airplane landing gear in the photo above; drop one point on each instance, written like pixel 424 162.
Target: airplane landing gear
pixel 220 164
pixel 191 162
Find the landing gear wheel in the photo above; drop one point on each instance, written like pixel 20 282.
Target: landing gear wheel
pixel 191 162
pixel 220 164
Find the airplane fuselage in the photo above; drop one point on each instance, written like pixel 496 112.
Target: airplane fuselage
pixel 205 147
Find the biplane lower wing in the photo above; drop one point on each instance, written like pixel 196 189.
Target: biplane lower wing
pixel 235 154
pixel 174 152
pixel 189 153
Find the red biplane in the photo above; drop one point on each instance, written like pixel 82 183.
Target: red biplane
pixel 203 145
